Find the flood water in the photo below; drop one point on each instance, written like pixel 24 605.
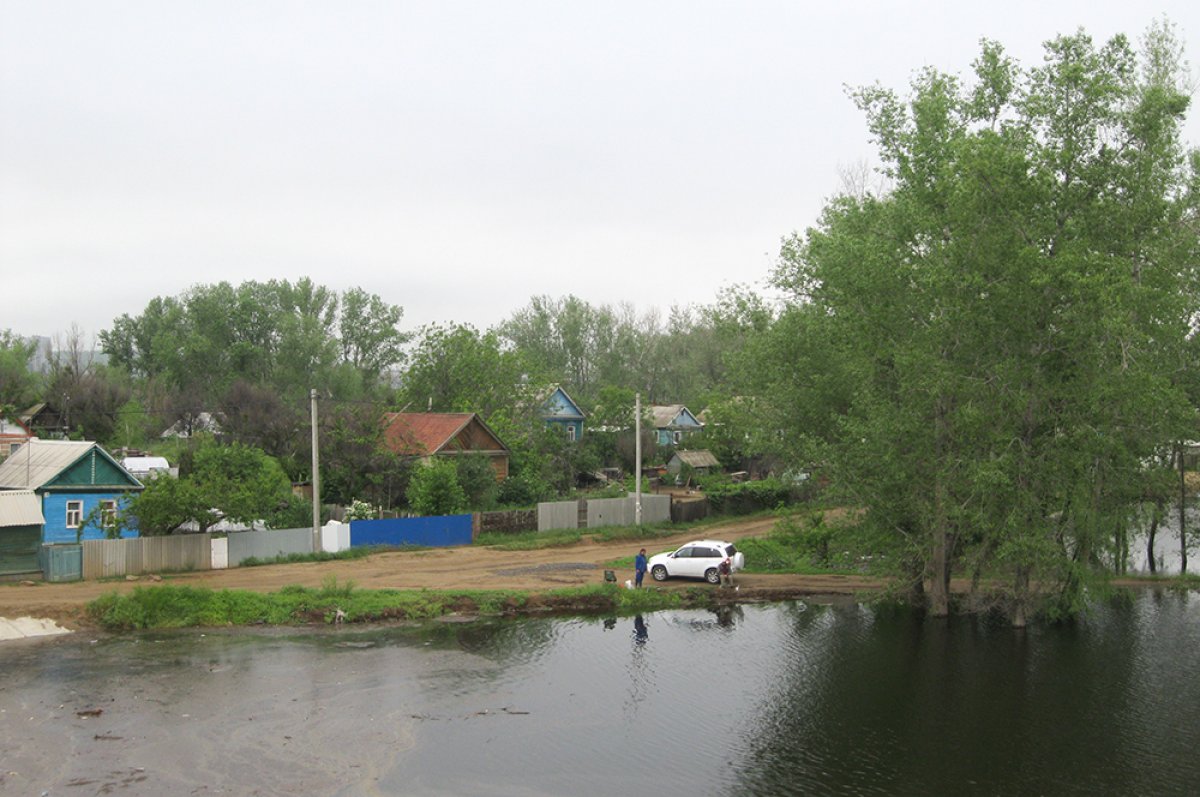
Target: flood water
pixel 756 700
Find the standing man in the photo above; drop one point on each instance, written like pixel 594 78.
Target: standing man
pixel 639 567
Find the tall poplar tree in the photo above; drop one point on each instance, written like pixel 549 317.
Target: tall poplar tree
pixel 986 354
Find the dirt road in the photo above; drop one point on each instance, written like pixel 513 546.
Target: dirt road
pixel 467 567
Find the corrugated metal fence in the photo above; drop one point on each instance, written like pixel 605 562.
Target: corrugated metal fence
pixel 603 512
pixel 432 531
pixel 268 544
pixel 110 558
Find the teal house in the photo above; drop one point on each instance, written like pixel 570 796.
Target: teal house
pixel 78 484
pixel 560 410
pixel 674 423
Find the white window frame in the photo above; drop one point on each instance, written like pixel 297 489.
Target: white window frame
pixel 677 437
pixel 108 513
pixel 74 512
pixel 571 432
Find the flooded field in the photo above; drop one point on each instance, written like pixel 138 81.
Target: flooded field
pixel 761 700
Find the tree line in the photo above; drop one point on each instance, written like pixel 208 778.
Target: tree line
pixel 992 354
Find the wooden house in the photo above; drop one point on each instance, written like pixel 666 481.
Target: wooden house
pixel 424 435
pixel 74 480
pixel 559 410
pixel 13 435
pixel 674 423
pixel 45 421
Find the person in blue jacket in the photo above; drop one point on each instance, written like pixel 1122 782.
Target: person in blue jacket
pixel 639 567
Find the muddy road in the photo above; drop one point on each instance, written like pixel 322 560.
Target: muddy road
pixel 467 567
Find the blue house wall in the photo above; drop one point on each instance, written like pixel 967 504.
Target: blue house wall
pixel 684 422
pixel 54 510
pixel 560 411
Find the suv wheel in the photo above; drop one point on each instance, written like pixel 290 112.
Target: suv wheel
pixel 712 576
pixel 659 573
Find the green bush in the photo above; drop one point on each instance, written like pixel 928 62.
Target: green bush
pixel 745 498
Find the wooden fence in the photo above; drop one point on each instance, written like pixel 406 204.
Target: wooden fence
pixel 114 558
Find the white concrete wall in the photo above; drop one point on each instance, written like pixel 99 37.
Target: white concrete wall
pixel 335 537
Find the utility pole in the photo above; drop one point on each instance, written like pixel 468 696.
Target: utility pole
pixel 316 477
pixel 637 459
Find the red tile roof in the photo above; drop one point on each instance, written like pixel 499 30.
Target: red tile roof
pixel 422 433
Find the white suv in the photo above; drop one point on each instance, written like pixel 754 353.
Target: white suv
pixel 696 559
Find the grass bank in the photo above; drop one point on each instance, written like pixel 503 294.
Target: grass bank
pixel 168 606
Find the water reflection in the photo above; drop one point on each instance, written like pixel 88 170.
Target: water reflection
pixel 640 634
pixel 789 698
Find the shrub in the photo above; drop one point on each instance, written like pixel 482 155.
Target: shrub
pixel 747 497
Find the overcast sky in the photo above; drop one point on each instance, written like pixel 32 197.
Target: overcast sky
pixel 456 158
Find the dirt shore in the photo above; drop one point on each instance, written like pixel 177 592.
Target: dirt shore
pixel 467 567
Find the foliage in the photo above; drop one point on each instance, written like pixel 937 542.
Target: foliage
pixel 296 558
pixel 456 368
pixel 237 482
pixel 18 386
pixel 275 334
pixel 812 546
pixel 434 489
pixel 360 510
pixel 477 478
pixel 743 498
pixel 170 606
pixel 984 356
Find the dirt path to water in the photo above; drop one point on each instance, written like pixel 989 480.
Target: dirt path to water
pixel 462 568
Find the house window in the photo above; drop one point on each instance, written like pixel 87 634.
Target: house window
pixel 677 437
pixel 74 514
pixel 571 432
pixel 108 514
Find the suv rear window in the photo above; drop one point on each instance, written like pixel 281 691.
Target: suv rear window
pixel 730 550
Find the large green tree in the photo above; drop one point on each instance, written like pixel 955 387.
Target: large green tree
pixel 456 368
pixel 236 482
pixel 18 384
pixel 287 336
pixel 985 355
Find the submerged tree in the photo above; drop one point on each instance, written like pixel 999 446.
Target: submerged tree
pixel 985 355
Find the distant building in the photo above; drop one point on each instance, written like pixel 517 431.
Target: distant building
pixel 145 467
pixel 425 435
pixel 674 423
pixel 13 435
pixel 701 461
pixel 560 410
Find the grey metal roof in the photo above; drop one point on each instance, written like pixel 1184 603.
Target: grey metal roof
pixel 20 508
pixel 39 461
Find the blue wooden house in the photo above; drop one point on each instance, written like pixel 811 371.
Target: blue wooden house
pixel 77 483
pixel 674 423
pixel 560 410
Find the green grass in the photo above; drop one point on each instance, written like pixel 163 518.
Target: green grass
pixel 530 540
pixel 323 556
pixel 167 606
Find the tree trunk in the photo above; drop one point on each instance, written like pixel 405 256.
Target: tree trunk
pixel 939 563
pixel 1182 516
pixel 1155 518
pixel 1021 601
pixel 939 576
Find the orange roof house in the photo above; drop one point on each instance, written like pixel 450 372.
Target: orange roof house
pixel 443 434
